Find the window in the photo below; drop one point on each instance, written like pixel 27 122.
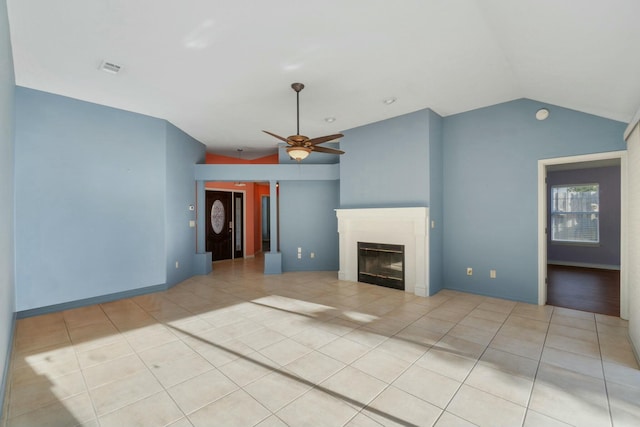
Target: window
pixel 575 213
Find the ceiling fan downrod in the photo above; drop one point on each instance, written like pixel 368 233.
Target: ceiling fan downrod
pixel 299 145
pixel 297 87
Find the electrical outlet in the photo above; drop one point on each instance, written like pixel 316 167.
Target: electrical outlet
pixel 492 274
pixel 177 264
pixel 469 271
pixel 312 254
pixel 299 255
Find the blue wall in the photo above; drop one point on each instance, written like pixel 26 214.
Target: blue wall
pixel 436 197
pixel 398 163
pixel 490 189
pixel 182 153
pixel 386 163
pixel 90 200
pixel 607 252
pixel 7 276
pixel 308 220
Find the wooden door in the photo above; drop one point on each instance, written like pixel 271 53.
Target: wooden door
pixel 219 225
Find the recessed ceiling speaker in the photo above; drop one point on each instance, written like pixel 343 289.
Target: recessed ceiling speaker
pixel 542 114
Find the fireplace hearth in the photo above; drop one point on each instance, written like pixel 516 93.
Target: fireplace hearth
pixel 381 264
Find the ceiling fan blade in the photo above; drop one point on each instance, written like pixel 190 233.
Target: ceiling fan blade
pixel 302 142
pixel 276 136
pixel 326 150
pixel 321 139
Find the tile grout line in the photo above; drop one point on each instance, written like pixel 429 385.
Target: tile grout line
pixel 535 376
pixel 247 289
pixel 84 380
pixel 540 362
pixel 278 370
pixel 318 385
pixel 123 336
pixel 179 338
pixel 604 376
pixel 361 411
pixel 474 366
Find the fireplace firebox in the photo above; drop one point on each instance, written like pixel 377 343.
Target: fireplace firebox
pixel 381 264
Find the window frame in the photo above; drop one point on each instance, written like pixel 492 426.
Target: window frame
pixel 553 213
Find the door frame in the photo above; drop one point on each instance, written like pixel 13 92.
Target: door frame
pixel 244 218
pixel 542 221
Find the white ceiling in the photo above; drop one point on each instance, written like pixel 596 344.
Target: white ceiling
pixel 221 70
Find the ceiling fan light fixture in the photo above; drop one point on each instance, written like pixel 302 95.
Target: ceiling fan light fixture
pixel 300 145
pixel 298 153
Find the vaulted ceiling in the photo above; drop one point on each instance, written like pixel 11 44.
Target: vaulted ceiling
pixel 222 70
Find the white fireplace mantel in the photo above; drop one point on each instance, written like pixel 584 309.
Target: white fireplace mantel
pixel 397 226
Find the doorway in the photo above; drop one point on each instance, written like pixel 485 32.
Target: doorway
pixel 265 204
pixel 225 224
pixel 546 272
pixel 583 237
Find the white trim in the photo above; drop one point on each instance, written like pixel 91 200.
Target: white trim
pixel 542 221
pixel 542 235
pixel 624 233
pixel 584 264
pixel 398 226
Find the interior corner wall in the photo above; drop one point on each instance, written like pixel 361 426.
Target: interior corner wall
pixel 490 189
pixel 308 221
pixel 386 163
pixel 633 218
pixel 183 152
pixel 90 200
pixel 7 276
pixel 436 198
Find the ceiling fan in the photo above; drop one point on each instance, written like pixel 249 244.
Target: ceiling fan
pixel 302 146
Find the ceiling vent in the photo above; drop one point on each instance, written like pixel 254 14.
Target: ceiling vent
pixel 110 67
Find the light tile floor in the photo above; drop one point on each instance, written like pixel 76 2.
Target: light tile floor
pixel 237 348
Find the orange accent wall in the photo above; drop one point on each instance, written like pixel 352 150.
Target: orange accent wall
pixel 253 192
pixel 217 159
pixel 261 190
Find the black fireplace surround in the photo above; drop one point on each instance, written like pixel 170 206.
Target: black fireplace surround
pixel 381 264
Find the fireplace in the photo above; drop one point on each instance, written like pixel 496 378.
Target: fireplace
pixel 381 264
pixel 408 227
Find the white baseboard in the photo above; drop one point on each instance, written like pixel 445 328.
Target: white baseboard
pixel 584 264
